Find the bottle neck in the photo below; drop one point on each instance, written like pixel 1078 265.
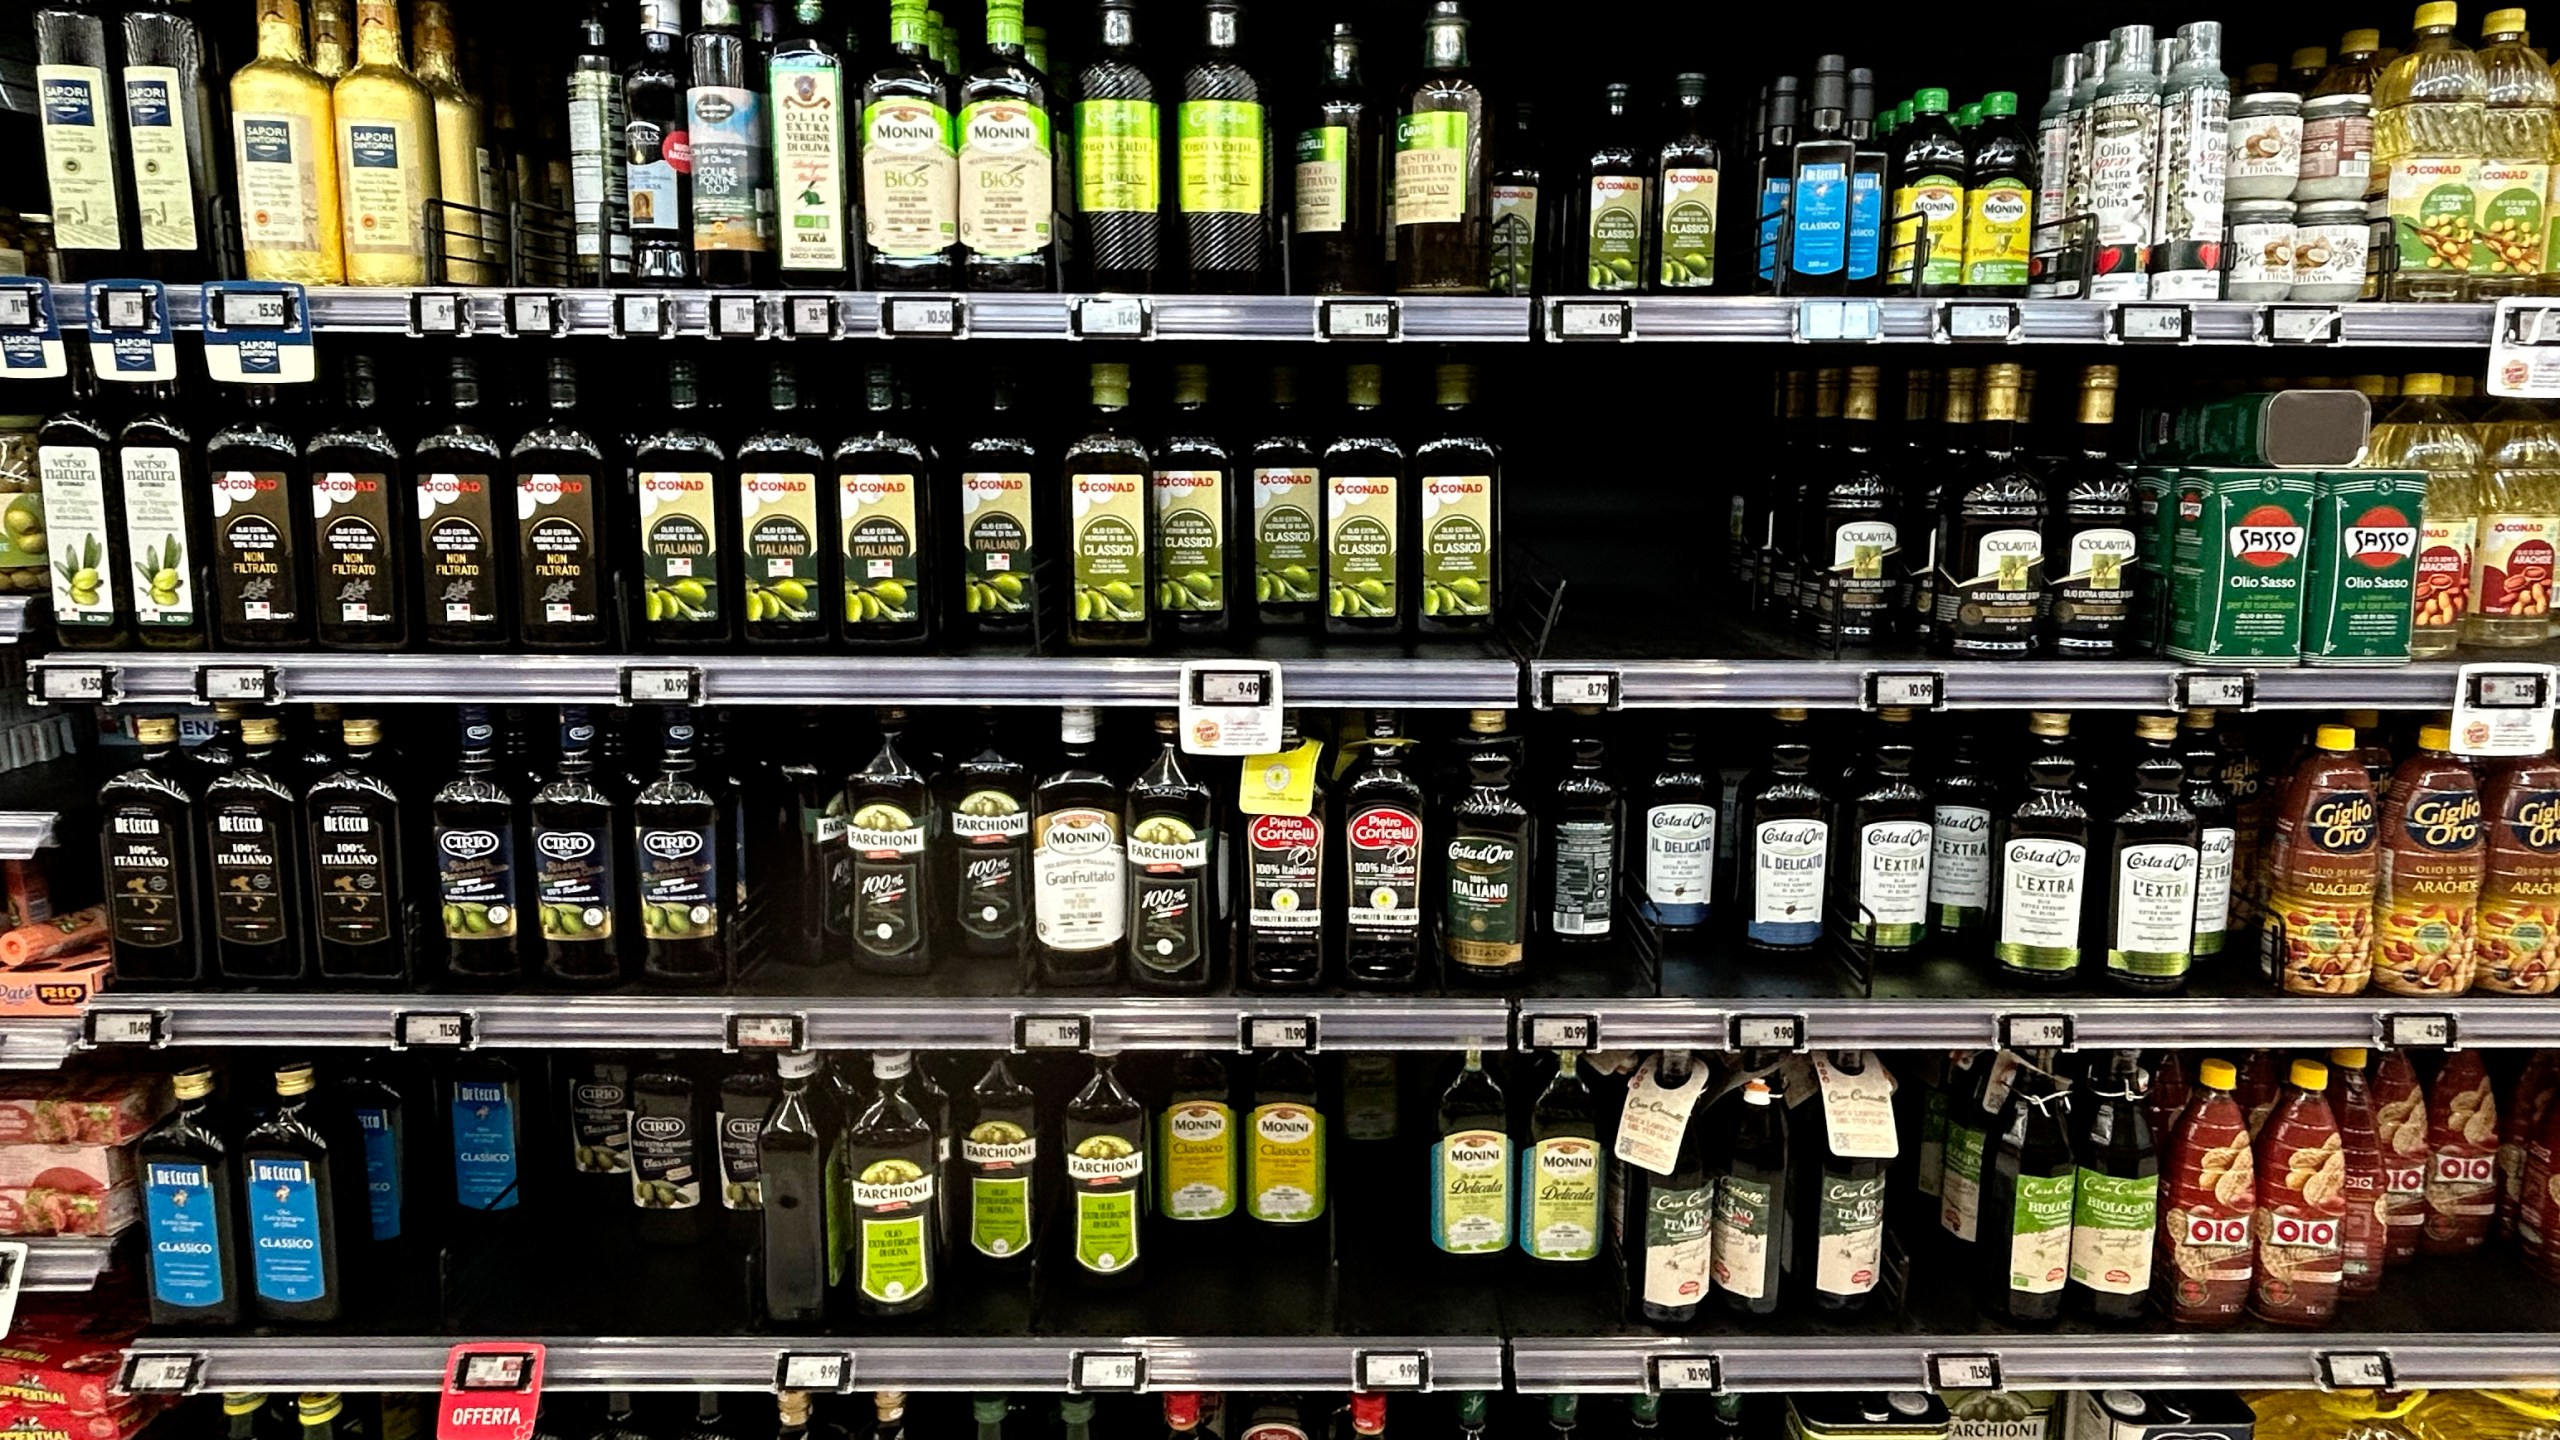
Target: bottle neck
pixel 909 34
pixel 1342 61
pixel 378 33
pixel 1224 25
pixel 280 31
pixel 1119 29
pixel 1444 44
pixel 435 43
pixel 1004 28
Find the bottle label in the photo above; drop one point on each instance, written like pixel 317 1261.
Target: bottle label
pixel 1820 245
pixel 155 527
pixel 666 1174
pixel 1285 558
pixel 888 874
pixel 1110 525
pixel 679 879
pixel 1960 1183
pixel 379 168
pixel 1191 540
pixel 809 164
pixel 189 1252
pixel 254 542
pixel 1006 190
pixel 1849 1234
pixel 285 1241
pixel 881 547
pixel 681 546
pixel 2187 216
pixel 1584 863
pixel 1457 546
pixel 1615 241
pixel 657 187
pixel 1196 1153
pixel 1385 847
pixel 2124 134
pixel 725 126
pixel 598 190
pixel 1471 1192
pixel 1560 1184
pixel 352 518
pixel 2155 910
pixel 1431 168
pixel 1960 864
pixel 1893 883
pixel 163 188
pixel 1221 157
pixel 1106 1171
pixel 1773 211
pixel 249 877
pixel 1789 858
pixel 1360 546
pixel 2115 1223
pixel 1078 874
pixel 74 486
pixel 1989 605
pixel 2213 888
pixel 2092 600
pixel 1324 180
pixel 1284 1164
pixel 1118 167
pixel 457 522
pixel 891 1200
pixel 2338 147
pixel 995 519
pixel 556 517
pixel 1997 218
pixel 1515 238
pixel 1866 221
pixel 2040 1234
pixel 476 879
pixel 484 1146
pixel 1679 1240
pixel 142 879
pixel 910 178
pixel 1929 207
pixel 989 827
pixel 2053 192
pixel 2507 236
pixel 1486 900
pixel 1679 857
pixel 778 512
pixel 79 157
pixel 741 1165
pixel 2433 213
pixel 600 1128
pixel 1745 1224
pixel 2041 884
pixel 1689 195
pixel 1285 865
pixel 1169 891
pixel 384 1187
pixel 352 873
pixel 573 883
pixel 2511 565
pixel 1000 1155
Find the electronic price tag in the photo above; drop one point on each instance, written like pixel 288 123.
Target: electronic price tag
pixel 130 333
pixel 258 332
pixel 1230 707
pixel 30 332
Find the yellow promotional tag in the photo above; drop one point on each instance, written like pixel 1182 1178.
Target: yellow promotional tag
pixel 1283 784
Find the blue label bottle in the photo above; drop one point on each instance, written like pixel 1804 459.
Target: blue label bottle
pixel 191 1211
pixel 290 1202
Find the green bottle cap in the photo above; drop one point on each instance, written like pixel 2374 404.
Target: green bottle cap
pixel 987 1409
pixel 1929 102
pixel 1902 114
pixel 2000 102
pixel 1968 116
pixel 1561 1409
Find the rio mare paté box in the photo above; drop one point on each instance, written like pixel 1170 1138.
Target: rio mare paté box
pixel 2364 567
pixel 2239 542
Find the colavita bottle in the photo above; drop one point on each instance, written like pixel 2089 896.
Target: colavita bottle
pixel 1991 546
pixel 293 1209
pixel 2215 836
pixel 388 165
pixel 1752 1204
pixel 1458 473
pixel 462 562
pixel 1369 567
pixel 676 830
pixel 577 895
pixel 288 179
pixel 1378 809
pixel 2116 1213
pixel 1289 902
pixel 2301 1168
pixel 1176 930
pixel 1000 1160
pixel 1288 506
pixel 83 520
pixel 1665 1199
pixel 2043 876
pixel 191 1208
pixel 910 173
pixel 1485 867
pixel 253 845
pixel 1283 1143
pixel 731 148
pixel 1582 830
pixel 1930 170
pixel 799 1155
pixel 1439 190
pixel 261 563
pixel 1223 165
pixel 658 149
pixel 1671 846
pixel 1853 567
pixel 2151 911
pixel 1111 522
pixel 1336 242
pixel 359 581
pixel 1785 843
pixel 1963 801
pixel 1000 541
pixel 1198 1146
pixel 688 528
pixel 164 525
pixel 1563 1175
pixel 786 521
pixel 986 802
pixel 1119 158
pixel 2322 867
pixel 1610 214
pixel 813 152
pixel 1008 193
pixel 884 515
pixel 564 520
pixel 1518 190
pixel 2025 1220
pixel 359 877
pixel 889 1161
pixel 889 814
pixel 2089 544
pixel 1198 513
pixel 1883 861
pixel 1104 1132
pixel 477 861
pixel 1688 186
pixel 1079 864
pixel 1471 1165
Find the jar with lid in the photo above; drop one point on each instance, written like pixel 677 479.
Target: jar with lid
pixel 2266 146
pixel 2337 148
pixel 2328 249
pixel 2261 251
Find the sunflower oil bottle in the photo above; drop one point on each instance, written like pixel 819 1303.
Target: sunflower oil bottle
pixel 2509 248
pixel 2512 558
pixel 2428 143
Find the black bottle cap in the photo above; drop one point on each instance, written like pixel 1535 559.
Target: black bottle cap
pixel 782 385
pixel 1785 102
pixel 362 384
pixel 1830 87
pixel 1620 96
pixel 561 384
pixel 462 382
pixel 1690 86
pixel 1862 95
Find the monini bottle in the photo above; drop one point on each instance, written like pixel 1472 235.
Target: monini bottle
pixel 1079 862
pixel 1562 1176
pixel 191 1209
pixel 1284 1143
pixel 1471 1166
pixel 910 174
pixel 1008 194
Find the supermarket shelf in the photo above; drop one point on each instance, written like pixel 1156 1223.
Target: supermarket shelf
pixel 24 832
pixel 912 1364
pixel 2134 684
pixel 1436 675
pixel 18 615
pixel 38 1043
pixel 1977 323
pixel 66 1264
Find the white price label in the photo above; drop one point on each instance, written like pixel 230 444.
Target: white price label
pixel 2524 350
pixel 13 1278
pixel 1964 1372
pixel 1686 1372
pixel 1768 1032
pixel 123 310
pixel 764 1032
pixel 2418 1030
pixel 1358 319
pixel 831 1373
pixel 1229 707
pixel 2035 1032
pixel 1393 1370
pixel 1120 317
pixel 1592 320
pixel 254 310
pixel 2215 689
pixel 661 685
pixel 2153 323
pixel 494 1371
pixel 72 684
pixel 1280 1032
pixel 533 314
pixel 1994 322
pixel 441 1029
pixel 254 684
pixel 1049 1032
pixel 2355 1370
pixel 1596 689
pixel 124 1027
pixel 158 1374
pixel 644 315
pixel 438 312
pixel 904 315
pixel 736 317
pixel 1839 320
pixel 1561 1032
pixel 17 310
pixel 2502 709
pixel 811 317
pixel 1109 1369
pixel 1916 689
pixel 2303 324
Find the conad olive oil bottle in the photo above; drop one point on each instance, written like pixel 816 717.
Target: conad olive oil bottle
pixel 1112 527
pixel 388 166
pixel 1368 563
pixel 1459 476
pixel 282 121
pixel 562 518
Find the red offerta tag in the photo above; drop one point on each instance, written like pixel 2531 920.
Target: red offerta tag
pixel 492 1391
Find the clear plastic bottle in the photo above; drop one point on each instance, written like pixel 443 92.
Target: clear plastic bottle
pixel 2513 552
pixel 2419 433
pixel 2357 64
pixel 2507 256
pixel 2428 141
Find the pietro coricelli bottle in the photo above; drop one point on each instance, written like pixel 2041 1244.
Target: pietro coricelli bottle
pixel 1289 899
pixel 1379 830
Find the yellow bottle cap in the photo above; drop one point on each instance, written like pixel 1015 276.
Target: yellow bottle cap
pixel 2309 56
pixel 2347 1059
pixel 192 1083
pixel 158 730
pixel 2435 737
pixel 2363 719
pixel 2359 42
pixel 2503 22
pixel 2310 1075
pixel 1791 713
pixel 2218 1075
pixel 243 1402
pixel 2372 387
pixel 2339 738
pixel 2421 384
pixel 2439 12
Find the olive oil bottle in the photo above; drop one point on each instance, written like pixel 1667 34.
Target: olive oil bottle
pixel 2023 1256
pixel 296 1209
pixel 1378 831
pixel 1079 862
pixel 1582 831
pixel 1284 1143
pixel 1485 866
pixel 563 514
pixel 2090 544
pixel 1111 524
pixel 1964 800
pixel 1563 1175
pixel 1458 477
pixel 2044 865
pixel 1927 254
pixel 986 802
pixel 359 501
pixel 1177 930
pixel 889 1155
pixel 388 163
pixel 1991 542
pixel 1222 166
pixel 87 175
pixel 910 172
pixel 1119 158
pixel 1882 865
pixel 1611 228
pixel 363 926
pixel 1002 539
pixel 889 813
pixel 1289 899
pixel 786 523
pixel 884 512
pixel 682 892
pixel 282 123
pixel 1197 514
pixel 1199 1153
pixel 2151 913
pixel 578 896
pixel 2216 832
pixel 1008 223
pixel 800 1157
pixel 164 521
pixel 1785 842
pixel 687 494
pixel 149 863
pixel 672 1152
pixel 1000 1159
pixel 1442 145
pixel 191 1205
pixel 1471 1202
pixel 1287 505
pixel 464 529
pixel 1369 565
pixel 83 515
pixel 1336 241
pixel 464 174
pixel 477 860
pixel 1104 1131
pixel 261 492
pixel 1848 579
pixel 1688 184
pixel 254 846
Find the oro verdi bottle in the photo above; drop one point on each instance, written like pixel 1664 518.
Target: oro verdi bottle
pixel 282 123
pixel 388 163
pixel 1008 193
pixel 1222 168
pixel 1104 1131
pixel 1927 255
pixel 191 1207
pixel 1439 198
pixel 465 176
pixel 1112 524
pixel 1119 158
pixel 1471 1165
pixel 1198 1145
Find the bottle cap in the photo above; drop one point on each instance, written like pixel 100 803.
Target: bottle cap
pixel 1167 723
pixel 1894 714
pixel 319 1408
pixel 2000 102
pixel 2199 719
pixel 294 1079
pixel 243 1402
pixel 2360 42
pixel 2218 1075
pixel 2156 727
pixel 2311 56
pixel 193 1083
pixel 2337 738
pixel 1792 715
pixel 1756 1093
pixel 2048 722
pixel 889 1404
pixel 2503 22
pixel 2309 1075
pixel 1075 724
pixel 2440 13
pixel 1364 384
pixel 1182 1409
pixel 1457 383
pixel 1932 101
pixel 1487 722
pixel 158 730
pixel 2435 737
pixel 361 732
pixel 891 1064
pixel 2422 384
pixel 2349 1058
pixel 1191 384
pixel 1284 384
pixel 987 1409
pixel 1369 1413
pixel 796 1064
pixel 1968 116
pixel 1110 384
pixel 258 732
pixel 792 1407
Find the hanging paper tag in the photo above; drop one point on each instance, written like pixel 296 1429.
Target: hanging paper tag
pixel 1656 1117
pixel 1858 1109
pixel 258 332
pixel 1230 707
pixel 492 1391
pixel 129 335
pixel 1282 784
pixel 30 335
pixel 2004 1073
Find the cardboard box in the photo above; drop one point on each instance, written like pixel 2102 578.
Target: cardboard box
pixel 56 988
pixel 2160 1415
pixel 2237 563
pixel 51 1210
pixel 2364 567
pixel 79 1109
pixel 70 1370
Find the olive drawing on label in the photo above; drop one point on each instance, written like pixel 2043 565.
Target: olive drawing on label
pixel 778 514
pixel 879 518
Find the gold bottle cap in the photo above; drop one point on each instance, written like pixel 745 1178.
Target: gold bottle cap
pixel 158 730
pixel 1793 714
pixel 243 1402
pixel 1110 384
pixel 294 1079
pixel 2337 739
pixel 2364 719
pixel 2503 22
pixel 2422 384
pixel 1191 384
pixel 2308 57
pixel 792 1406
pixel 2200 719
pixel 2438 12
pixel 2435 737
pixel 1284 384
pixel 193 1083
pixel 2348 1058
pixel 2262 73
pixel 2048 722
pixel 1487 722
pixel 362 732
pixel 890 1403
pixel 319 1408
pixel 259 732
pixel 2156 727
pixel 1365 383
pixel 2360 42
pixel 2008 375
pixel 2098 377
pixel 2218 1075
pixel 1457 384
pixel 2309 1075
pixel 1894 714
pixel 2372 387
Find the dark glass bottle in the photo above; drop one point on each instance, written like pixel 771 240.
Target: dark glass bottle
pixel 1175 935
pixel 1288 903
pixel 1485 867
pixel 1821 172
pixel 1999 201
pixel 1516 206
pixel 1000 1160
pixel 465 569
pixel 1458 474
pixel 1964 802
pixel 1113 524
pixel 191 1209
pixel 657 148
pixel 1223 165
pixel 672 1152
pixel 1079 862
pixel 819 903
pixel 884 511
pixel 1666 1219
pixel 2116 1196
pixel 1775 177
pixel 910 173
pixel 374 1123
pixel 1287 503
pixel 564 516
pixel 1581 832
pixel 1104 1132
pixel 2023 1251
pixel 787 522
pixel 896 1258
pixel 1378 829
pixel 1929 174
pixel 1852 568
pixel 261 495
pixel 1687 178
pixel 889 813
pixel 1563 1178
pixel 86 160
pixel 683 895
pixel 599 160
pixel 1991 548
pixel 1471 1175
pixel 483 1099
pixel 579 898
pixel 1785 843
pixel 1439 199
pixel 1839 1242
pixel 688 524
pixel 814 160
pixel 2216 832
pixel 360 587
pixel 1335 244
pixel 1198 1151
pixel 164 499
pixel 1866 187
pixel 253 846
pixel 93 580
pixel 1880 869
pixel 1671 838
pixel 1119 159
pixel 363 921
pixel 1282 1144
pixel 599 1115
pixel 1369 549
pixel 1008 190
pixel 2151 874
pixel 1000 551
pixel 799 1161
pixel 293 1210
pixel 725 125
pixel 1610 229
pixel 2089 541
pixel 477 860
pixel 1198 515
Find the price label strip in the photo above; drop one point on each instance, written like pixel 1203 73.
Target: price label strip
pixel 2502 709
pixel 433 1030
pixel 2304 325
pixel 158 1373
pixel 643 316
pixel 2034 1032
pixel 810 317
pixel 1768 1032
pixel 1279 1032
pixel 1108 1370
pixel 70 684
pixel 123 1027
pixel 1357 320
pixel 1914 689
pixel 1050 1032
pixel 661 685
pixel 1686 1372
pixel 1230 707
pixel 533 313
pixel 1843 320
pixel 492 1391
pixel 1560 1032
pixel 130 338
pixel 236 684
pixel 1111 317
pixel 258 332
pixel 1392 1370
pixel 439 312
pixel 737 317
pixel 828 1372
pixel 30 333
pixel 1593 320
pixel 2154 324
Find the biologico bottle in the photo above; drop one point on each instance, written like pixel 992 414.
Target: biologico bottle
pixel 1562 1175
pixel 1663 1197
pixel 2028 1180
pixel 1927 256
pixel 1979 1092
pixel 2361 1242
pixel 2115 1217
pixel 1752 1203
pixel 191 1209
pixel 2302 1204
pixel 2216 839
pixel 1471 1166
pixel 2044 865
pixel 2205 1262
pixel 1672 849
pixel 1104 1132
pixel 1785 843
pixel 1884 857
pixel 1197 1156
pixel 2124 164
pixel 2429 142
pixel 1486 865
pixel 293 1210
pixel 2151 911
pixel 2322 869
pixel 2427 888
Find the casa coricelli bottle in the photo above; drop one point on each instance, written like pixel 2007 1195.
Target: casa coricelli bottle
pixel 889 1162
pixel 2151 911
pixel 1111 524
pixel 1104 1132
pixel 1287 510
pixel 1611 227
pixel 253 847
pixel 1664 1202
pixel 563 514
pixel 360 590
pixel 1752 1200
pixel 1486 865
pixel 889 815
pixel 465 533
pixel 1369 544
pixel 1198 515
pixel 1840 1225
pixel 1785 843
pixel 2043 874
pixel 1222 164
pixel 164 524
pixel 1336 241
pixel 884 520
pixel 999 1156
pixel 1008 194
pixel 1175 935
pixel 786 524
pixel 986 802
pixel 1439 199
pixel 1471 1165
pixel 1079 862
pixel 191 1208
pixel 1119 159
pixel 2115 1215
pixel 2025 1217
